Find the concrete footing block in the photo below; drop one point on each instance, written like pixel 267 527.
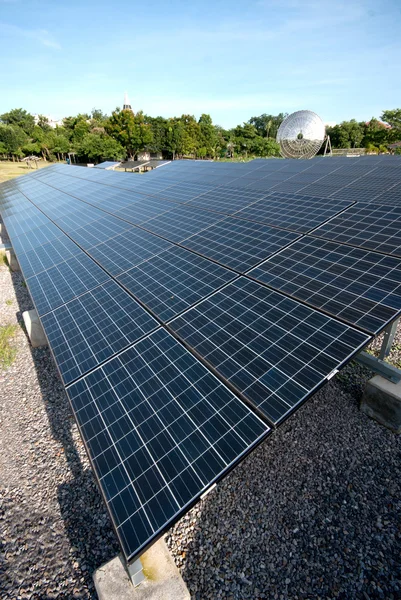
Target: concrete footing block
pixel 382 401
pixel 162 578
pixel 12 260
pixel 34 328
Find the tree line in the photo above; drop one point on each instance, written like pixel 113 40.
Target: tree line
pixel 123 134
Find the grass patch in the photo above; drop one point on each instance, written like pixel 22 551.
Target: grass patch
pixel 3 258
pixel 9 169
pixel 9 302
pixel 7 351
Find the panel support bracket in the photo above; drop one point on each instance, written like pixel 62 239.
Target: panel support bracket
pixel 389 334
pixel 135 572
pixel 378 364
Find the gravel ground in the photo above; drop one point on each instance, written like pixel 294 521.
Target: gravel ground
pixel 314 512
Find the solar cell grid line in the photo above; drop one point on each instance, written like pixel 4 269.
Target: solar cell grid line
pixel 391 196
pixel 226 200
pixel 173 280
pixel 275 351
pixel 93 327
pixel 160 429
pixel 36 237
pixel 19 225
pixel 143 211
pixel 366 225
pixel 98 231
pixel 296 215
pixel 127 249
pixel 238 244
pixel 180 222
pixel 63 282
pixel 45 256
pixel 355 285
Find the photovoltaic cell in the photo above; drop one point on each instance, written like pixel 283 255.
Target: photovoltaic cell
pixel 361 287
pixel 36 237
pixel 174 280
pixel 98 231
pixel 372 226
pixel 274 350
pixel 160 429
pixel 226 200
pixel 63 282
pixel 43 257
pixel 295 214
pixel 127 250
pixel 93 327
pixel 181 222
pixel 239 244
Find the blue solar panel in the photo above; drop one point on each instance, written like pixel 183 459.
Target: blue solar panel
pixel 63 282
pixel 93 327
pixel 239 244
pixel 174 280
pixel 160 429
pixel 274 350
pixel 363 288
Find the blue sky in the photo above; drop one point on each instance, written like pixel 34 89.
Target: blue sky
pixel 231 59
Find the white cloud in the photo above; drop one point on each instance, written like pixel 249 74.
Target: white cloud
pixel 41 36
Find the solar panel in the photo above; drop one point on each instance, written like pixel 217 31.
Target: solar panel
pixel 161 422
pixel 239 244
pixel 63 282
pixel 174 280
pixel 128 249
pixel 43 257
pixel 274 350
pixel 181 222
pixel 363 288
pixel 226 200
pixel 98 231
pixel 36 237
pixel 372 226
pixel 93 327
pixel 297 214
pixel 160 429
pixel 108 164
pixel 140 212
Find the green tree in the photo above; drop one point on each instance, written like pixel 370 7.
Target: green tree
pixel 267 125
pixel 20 118
pixel 131 131
pixel 207 136
pixel 13 138
pixel 190 135
pixel 393 118
pixel 159 127
pixel 174 136
pixel 98 146
pixel 43 123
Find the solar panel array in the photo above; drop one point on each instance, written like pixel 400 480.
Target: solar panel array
pixel 192 309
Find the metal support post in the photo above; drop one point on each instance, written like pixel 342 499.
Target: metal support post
pixel 378 364
pixel 389 334
pixel 135 572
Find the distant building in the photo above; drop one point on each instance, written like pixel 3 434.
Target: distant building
pixel 53 123
pixel 126 105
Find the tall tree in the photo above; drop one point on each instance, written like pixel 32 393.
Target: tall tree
pixel 13 138
pixel 97 146
pixel 20 118
pixel 207 135
pixel 130 131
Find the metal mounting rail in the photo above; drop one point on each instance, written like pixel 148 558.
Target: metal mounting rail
pixel 378 364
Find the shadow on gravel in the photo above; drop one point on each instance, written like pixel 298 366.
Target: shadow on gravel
pixel 313 513
pixel 86 524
